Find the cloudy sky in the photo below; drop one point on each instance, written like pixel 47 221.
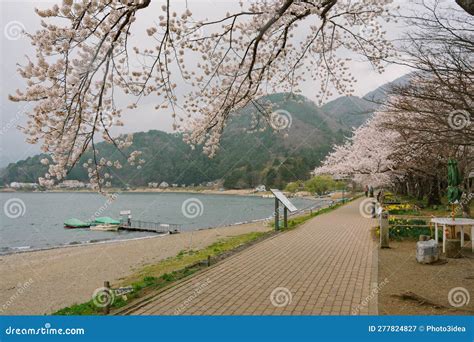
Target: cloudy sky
pixel 16 15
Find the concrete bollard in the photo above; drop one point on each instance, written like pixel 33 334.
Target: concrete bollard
pixel 384 230
pixel 427 252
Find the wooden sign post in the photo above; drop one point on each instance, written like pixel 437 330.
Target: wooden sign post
pixel 276 214
pixel 287 205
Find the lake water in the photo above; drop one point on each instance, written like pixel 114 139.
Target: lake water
pixel 35 220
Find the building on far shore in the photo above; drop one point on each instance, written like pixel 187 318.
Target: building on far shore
pixel 71 184
pixel 261 188
pixel 20 185
pixel 164 185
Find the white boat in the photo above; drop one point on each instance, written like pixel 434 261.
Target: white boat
pixel 105 227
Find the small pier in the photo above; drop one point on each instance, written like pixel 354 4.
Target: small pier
pixel 126 223
pixel 152 227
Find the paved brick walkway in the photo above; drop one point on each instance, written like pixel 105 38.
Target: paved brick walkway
pixel 326 267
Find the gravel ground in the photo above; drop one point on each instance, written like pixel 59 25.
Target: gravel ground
pixel 434 282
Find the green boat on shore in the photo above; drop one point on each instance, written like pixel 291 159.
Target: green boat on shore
pixel 76 223
pixel 98 222
pixel 106 220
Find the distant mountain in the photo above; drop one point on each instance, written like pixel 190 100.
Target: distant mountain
pixel 350 111
pixel 246 158
pixel 379 95
pixel 353 111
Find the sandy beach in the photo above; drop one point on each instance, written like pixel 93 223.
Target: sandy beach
pixel 42 282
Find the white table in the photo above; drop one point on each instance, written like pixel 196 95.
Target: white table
pixel 448 221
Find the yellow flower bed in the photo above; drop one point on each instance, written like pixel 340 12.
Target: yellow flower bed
pixel 405 206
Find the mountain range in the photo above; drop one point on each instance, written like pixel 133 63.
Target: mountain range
pixel 246 158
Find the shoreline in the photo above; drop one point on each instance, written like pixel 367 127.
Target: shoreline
pixel 20 250
pixel 78 244
pixel 238 192
pixel 60 277
pixel 228 192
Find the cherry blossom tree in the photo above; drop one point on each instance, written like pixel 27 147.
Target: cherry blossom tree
pixel 365 156
pixel 84 61
pixel 400 149
pixel 440 93
pixel 424 123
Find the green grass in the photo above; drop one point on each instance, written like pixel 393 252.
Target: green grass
pixel 164 273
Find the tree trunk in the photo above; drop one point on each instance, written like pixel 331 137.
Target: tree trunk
pixel 434 197
pixel 409 186
pixel 402 188
pixel 420 190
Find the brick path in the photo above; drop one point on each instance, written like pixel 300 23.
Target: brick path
pixel 327 267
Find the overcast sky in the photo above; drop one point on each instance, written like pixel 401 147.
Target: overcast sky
pixel 14 48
